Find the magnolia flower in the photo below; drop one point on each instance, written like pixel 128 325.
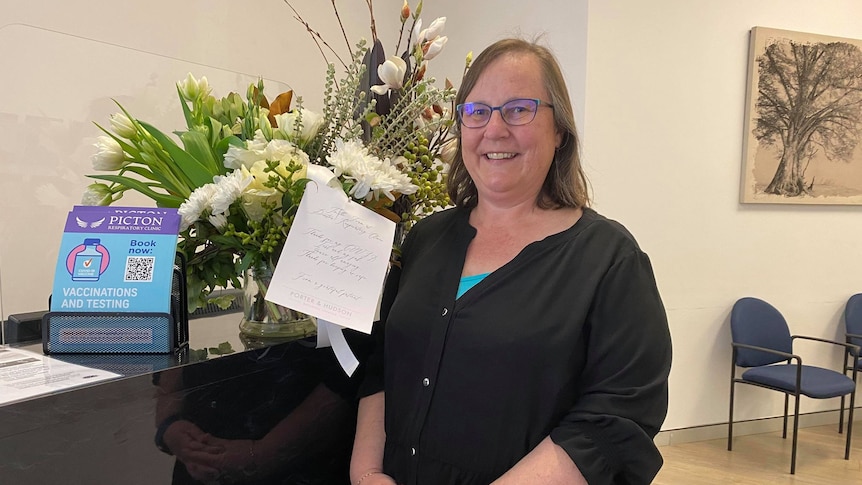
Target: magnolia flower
pixel 372 176
pixel 392 74
pixel 97 194
pixel 123 126
pixel 414 35
pixel 192 88
pixel 308 124
pixel 433 30
pixel 447 154
pixel 110 155
pixel 432 48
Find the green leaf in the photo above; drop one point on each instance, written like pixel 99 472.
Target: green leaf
pixel 163 200
pixel 197 145
pixel 154 175
pixel 190 167
pixel 186 112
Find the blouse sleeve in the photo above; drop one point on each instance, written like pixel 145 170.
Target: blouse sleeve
pixel 609 431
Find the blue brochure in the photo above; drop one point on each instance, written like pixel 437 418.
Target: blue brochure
pixel 116 259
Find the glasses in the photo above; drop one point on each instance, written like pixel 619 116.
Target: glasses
pixel 515 112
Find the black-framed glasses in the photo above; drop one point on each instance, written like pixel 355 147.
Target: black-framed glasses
pixel 515 112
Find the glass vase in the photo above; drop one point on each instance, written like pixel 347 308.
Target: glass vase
pixel 266 320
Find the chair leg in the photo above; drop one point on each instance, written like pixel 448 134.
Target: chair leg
pixel 730 414
pixel 841 417
pixel 786 399
pixel 730 419
pixel 850 425
pixel 795 434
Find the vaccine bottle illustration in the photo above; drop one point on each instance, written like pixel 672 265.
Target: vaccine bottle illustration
pixel 88 263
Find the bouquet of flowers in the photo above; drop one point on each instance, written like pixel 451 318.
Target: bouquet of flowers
pixel 238 170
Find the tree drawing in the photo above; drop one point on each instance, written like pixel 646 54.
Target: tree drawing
pixel 809 99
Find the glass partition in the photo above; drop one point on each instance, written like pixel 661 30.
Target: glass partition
pixel 55 87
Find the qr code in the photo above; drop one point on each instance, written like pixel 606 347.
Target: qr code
pixel 139 268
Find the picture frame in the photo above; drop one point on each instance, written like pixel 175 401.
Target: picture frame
pixel 802 141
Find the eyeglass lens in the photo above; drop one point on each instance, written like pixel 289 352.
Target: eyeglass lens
pixel 514 112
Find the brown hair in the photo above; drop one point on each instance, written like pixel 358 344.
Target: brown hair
pixel 565 184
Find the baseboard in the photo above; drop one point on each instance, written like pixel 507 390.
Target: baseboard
pixel 741 428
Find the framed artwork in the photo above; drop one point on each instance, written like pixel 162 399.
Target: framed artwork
pixel 803 119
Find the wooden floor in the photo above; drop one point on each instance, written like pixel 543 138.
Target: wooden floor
pixel 765 459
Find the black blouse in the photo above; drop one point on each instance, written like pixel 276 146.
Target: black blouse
pixel 569 339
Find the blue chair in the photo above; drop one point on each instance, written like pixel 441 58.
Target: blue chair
pixel 761 342
pixel 853 333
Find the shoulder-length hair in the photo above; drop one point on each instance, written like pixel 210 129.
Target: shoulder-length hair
pixel 565 185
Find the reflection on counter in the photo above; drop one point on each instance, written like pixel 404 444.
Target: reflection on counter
pixel 265 414
pixel 282 414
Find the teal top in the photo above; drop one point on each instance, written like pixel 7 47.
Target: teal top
pixel 468 282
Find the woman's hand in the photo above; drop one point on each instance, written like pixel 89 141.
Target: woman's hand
pixel 376 478
pixel 191 445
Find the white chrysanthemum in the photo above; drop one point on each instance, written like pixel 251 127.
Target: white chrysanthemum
pixel 193 207
pixel 219 221
pixel 372 176
pixel 228 188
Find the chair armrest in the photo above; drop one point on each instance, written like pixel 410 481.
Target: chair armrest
pixel 846 345
pixel 853 335
pixel 767 350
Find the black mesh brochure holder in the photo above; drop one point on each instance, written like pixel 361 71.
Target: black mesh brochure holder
pixel 122 332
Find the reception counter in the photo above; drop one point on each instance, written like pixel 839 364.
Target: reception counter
pixel 292 399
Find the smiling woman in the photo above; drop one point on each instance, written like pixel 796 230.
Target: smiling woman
pixel 483 384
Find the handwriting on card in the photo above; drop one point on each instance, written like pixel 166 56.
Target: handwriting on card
pixel 343 259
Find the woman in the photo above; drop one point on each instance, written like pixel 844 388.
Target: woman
pixel 525 339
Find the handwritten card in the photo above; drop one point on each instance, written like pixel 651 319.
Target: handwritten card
pixel 335 258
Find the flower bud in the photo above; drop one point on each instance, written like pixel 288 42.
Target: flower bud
pixel 123 126
pixel 431 49
pixel 192 88
pixel 110 155
pixel 405 12
pixel 469 59
pixel 97 194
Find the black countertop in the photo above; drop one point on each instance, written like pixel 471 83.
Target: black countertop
pixel 289 393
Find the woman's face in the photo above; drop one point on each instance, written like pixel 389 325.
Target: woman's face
pixel 507 163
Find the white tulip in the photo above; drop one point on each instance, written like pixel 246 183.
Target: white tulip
pixel 123 126
pixel 192 88
pixel 110 155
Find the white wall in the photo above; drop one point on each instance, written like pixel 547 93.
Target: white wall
pixel 659 93
pixel 664 123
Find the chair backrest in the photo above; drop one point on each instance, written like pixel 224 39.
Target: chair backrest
pixel 756 322
pixel 853 317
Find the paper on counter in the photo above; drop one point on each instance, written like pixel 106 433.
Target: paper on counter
pixel 25 374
